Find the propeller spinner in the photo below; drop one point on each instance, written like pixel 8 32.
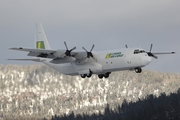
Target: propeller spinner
pixel 68 52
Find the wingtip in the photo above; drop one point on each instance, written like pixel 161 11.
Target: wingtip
pixel 10 59
pixel 12 48
pixel 15 48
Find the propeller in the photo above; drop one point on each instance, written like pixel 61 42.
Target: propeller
pixel 150 53
pixel 68 52
pixel 89 53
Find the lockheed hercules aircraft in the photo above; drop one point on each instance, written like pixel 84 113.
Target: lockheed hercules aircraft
pixel 84 62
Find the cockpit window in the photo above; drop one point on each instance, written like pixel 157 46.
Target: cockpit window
pixel 142 51
pixel 138 51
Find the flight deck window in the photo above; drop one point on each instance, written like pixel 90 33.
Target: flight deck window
pixel 136 52
pixel 142 51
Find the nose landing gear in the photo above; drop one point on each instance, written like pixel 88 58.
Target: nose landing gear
pixel 138 70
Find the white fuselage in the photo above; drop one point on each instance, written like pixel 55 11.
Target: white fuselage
pixel 105 61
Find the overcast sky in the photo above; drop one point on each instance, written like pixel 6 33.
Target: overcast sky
pixel 109 24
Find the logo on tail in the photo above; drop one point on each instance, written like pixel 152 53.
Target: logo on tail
pixel 40 45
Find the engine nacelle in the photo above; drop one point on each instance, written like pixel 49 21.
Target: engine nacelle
pixel 63 60
pixel 60 54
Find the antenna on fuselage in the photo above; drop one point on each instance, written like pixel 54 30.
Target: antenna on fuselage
pixel 126 46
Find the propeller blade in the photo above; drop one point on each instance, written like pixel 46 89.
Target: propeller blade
pixel 92 48
pixel 154 56
pixel 151 47
pixel 73 48
pixel 94 58
pixel 65 45
pixel 84 49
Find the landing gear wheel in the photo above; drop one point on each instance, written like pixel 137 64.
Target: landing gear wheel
pixel 100 76
pixel 83 76
pixel 89 75
pixel 106 75
pixel 138 70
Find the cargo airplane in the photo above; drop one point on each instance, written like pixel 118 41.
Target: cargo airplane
pixel 84 62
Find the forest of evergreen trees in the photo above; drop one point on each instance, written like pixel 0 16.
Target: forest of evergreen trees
pixel 151 108
pixel 39 92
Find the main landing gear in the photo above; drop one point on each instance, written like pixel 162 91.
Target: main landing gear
pixel 106 75
pixel 87 75
pixel 138 70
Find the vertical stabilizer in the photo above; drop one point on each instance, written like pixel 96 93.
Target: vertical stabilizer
pixel 41 40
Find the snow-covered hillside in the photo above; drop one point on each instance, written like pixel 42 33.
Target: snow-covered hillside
pixel 39 91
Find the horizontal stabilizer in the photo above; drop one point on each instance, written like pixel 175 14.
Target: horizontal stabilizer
pixel 35 59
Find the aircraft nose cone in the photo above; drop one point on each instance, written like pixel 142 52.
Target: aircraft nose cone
pixel 146 60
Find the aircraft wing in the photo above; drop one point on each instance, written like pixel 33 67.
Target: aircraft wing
pixel 37 52
pixel 161 53
pixel 57 56
pixel 33 50
pixel 44 53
